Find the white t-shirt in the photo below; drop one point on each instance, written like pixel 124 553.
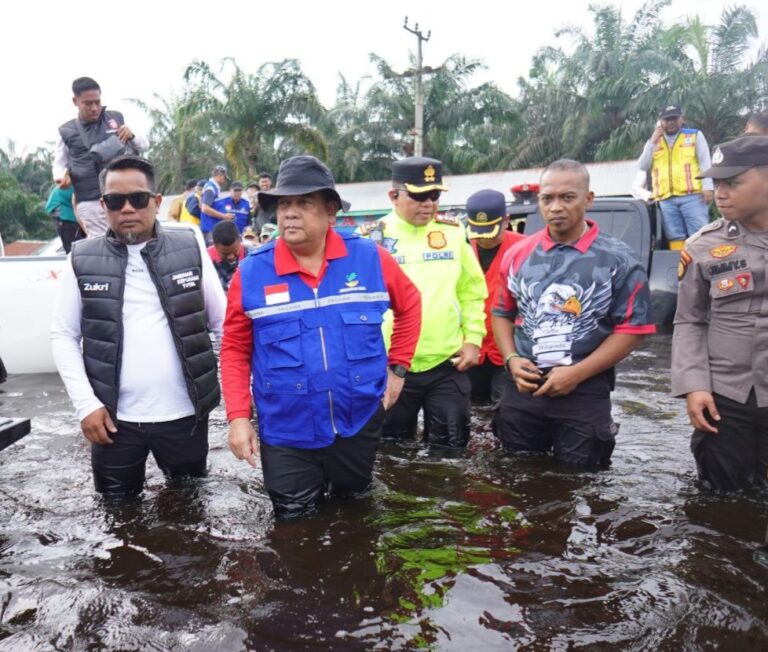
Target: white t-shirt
pixel 152 386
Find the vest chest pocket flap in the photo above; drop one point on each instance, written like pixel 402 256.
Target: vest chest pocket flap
pixel 282 345
pixel 362 334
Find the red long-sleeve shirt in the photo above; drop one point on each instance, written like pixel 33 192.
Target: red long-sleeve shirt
pixel 237 343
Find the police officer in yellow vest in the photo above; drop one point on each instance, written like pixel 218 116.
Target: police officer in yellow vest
pixel 434 253
pixel 675 156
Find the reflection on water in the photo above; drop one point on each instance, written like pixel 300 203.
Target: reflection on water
pixel 470 551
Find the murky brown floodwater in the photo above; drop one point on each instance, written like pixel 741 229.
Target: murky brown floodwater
pixel 472 552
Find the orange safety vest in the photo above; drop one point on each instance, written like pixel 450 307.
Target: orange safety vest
pixel 674 171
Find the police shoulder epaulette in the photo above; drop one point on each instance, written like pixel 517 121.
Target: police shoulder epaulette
pixel 712 226
pixel 367 227
pixel 451 220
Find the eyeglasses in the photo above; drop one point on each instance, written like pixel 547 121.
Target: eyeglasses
pixel 114 201
pixel 420 197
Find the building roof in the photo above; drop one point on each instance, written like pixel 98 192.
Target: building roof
pixel 606 180
pixel 24 247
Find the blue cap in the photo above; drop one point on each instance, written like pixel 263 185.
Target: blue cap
pixel 485 211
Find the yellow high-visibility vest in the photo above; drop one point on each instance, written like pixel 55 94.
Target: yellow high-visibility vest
pixel 674 171
pixel 186 216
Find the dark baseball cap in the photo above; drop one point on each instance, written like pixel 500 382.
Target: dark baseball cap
pixel 732 158
pixel 220 169
pixel 485 212
pixel 419 174
pixel 670 111
pixel 236 185
pixel 301 175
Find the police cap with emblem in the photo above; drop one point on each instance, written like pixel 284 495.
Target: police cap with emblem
pixel 418 174
pixel 736 156
pixel 485 212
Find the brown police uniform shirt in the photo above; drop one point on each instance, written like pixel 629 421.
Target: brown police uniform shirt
pixel 720 342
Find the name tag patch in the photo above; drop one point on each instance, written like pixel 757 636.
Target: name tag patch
pixel 715 269
pixel 95 287
pixel 438 255
pixel 186 280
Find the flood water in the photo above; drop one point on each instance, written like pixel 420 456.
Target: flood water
pixel 471 552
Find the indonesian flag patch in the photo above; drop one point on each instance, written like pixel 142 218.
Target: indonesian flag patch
pixel 274 294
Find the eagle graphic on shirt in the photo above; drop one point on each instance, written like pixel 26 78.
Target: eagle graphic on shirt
pixel 559 314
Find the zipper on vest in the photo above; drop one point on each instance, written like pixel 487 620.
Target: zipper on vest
pixel 325 367
pixel 162 295
pixel 120 333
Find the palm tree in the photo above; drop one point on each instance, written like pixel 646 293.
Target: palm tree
pixel 32 170
pixel 600 102
pixel 593 104
pixel 716 84
pixel 260 117
pixel 183 144
pixel 469 128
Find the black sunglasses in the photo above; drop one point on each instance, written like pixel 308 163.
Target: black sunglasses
pixel 114 201
pixel 434 195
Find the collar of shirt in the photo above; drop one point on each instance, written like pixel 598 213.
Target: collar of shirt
pixel 582 244
pixel 286 263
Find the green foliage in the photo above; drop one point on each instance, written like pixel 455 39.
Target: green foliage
pixel 24 183
pixel 31 169
pixel 21 215
pixel 599 101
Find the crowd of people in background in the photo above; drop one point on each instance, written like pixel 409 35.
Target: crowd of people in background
pixel 339 340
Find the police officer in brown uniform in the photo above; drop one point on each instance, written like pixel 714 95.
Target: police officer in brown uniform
pixel 720 343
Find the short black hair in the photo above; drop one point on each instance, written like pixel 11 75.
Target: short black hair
pixel 568 165
pixel 128 163
pixel 190 184
pixel 265 175
pixel 82 84
pixel 225 233
pixel 759 120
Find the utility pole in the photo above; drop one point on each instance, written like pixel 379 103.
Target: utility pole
pixel 418 130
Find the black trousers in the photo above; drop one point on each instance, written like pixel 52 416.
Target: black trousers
pixel 69 232
pixel 443 392
pixel 487 382
pixel 119 468
pixel 737 456
pixel 577 429
pixel 297 479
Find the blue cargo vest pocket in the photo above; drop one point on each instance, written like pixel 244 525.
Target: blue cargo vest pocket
pixel 366 389
pixel 362 334
pixel 281 344
pixel 286 413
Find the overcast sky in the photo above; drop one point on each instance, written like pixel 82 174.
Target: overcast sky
pixel 139 48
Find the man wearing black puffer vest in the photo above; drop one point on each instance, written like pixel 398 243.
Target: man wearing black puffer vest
pixel 141 300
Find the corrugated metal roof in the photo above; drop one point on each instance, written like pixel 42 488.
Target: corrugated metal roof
pixel 606 179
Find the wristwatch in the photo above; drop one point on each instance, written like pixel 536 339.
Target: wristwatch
pixel 398 369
